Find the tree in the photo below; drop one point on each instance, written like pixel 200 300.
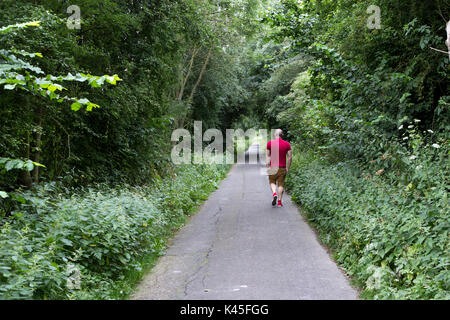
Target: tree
pixel 15 73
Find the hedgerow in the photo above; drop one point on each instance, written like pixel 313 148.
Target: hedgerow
pixel 389 229
pixel 85 243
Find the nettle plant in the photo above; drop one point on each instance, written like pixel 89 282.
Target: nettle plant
pixel 18 74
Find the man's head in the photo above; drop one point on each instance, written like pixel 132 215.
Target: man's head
pixel 278 133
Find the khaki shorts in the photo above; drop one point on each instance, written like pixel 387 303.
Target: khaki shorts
pixel 277 175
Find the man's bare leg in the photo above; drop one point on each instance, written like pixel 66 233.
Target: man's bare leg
pixel 273 186
pixel 280 193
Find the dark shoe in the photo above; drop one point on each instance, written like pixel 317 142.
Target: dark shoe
pixel 274 200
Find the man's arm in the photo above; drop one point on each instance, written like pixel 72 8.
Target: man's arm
pixel 268 158
pixel 288 166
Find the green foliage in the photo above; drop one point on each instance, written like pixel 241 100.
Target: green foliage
pixel 107 233
pixel 390 233
pixel 10 77
pixel 102 232
pixel 149 44
pixel 19 26
pixel 370 111
pixel 358 101
pixel 9 164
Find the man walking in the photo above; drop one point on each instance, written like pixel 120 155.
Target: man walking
pixel 276 153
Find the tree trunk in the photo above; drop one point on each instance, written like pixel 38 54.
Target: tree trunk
pixel 184 81
pixel 199 79
pixel 37 135
pixel 200 76
pixel 24 178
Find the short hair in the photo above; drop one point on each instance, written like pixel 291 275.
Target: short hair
pixel 278 133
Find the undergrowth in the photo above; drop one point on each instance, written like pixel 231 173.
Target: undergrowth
pixel 96 242
pixel 389 228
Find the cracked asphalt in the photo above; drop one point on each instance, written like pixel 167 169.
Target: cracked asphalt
pixel 238 247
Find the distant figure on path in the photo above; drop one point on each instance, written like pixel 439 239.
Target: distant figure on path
pixel 276 153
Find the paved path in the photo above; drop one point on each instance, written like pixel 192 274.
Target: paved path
pixel 239 247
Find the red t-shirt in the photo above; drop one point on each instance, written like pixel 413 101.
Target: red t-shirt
pixel 278 151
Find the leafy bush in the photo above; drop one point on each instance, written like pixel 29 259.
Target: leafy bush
pixel 390 228
pixel 95 236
